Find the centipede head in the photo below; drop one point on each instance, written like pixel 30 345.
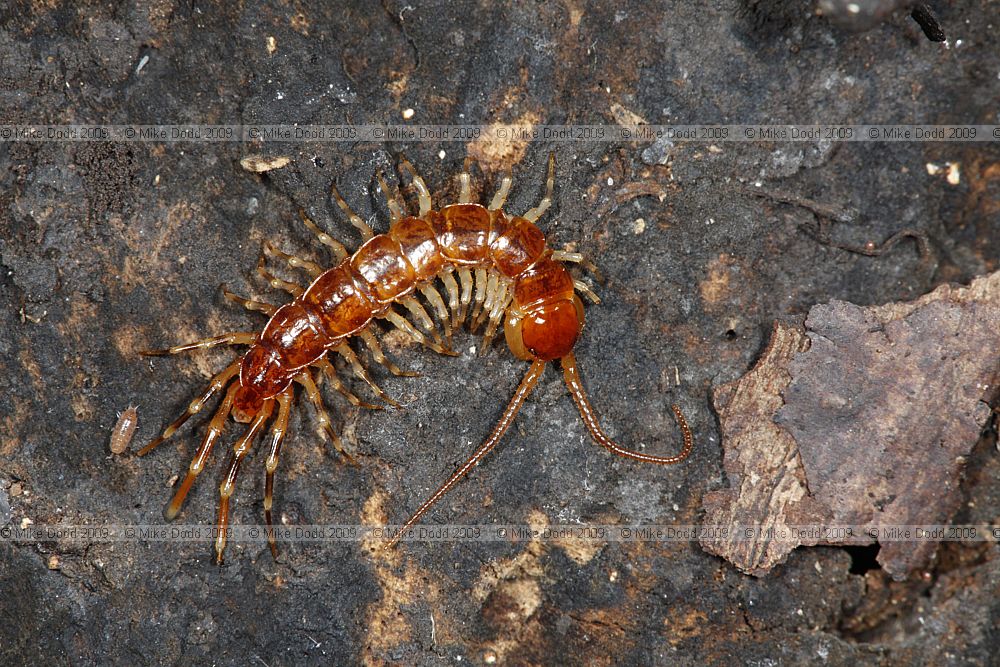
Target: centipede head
pixel 247 404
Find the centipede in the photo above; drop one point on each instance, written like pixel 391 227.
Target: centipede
pixel 496 269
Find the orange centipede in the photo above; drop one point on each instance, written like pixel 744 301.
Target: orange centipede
pixel 506 274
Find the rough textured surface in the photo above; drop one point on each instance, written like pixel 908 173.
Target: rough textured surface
pixel 865 418
pixel 768 486
pixel 107 249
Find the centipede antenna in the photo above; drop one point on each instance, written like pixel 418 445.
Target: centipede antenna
pixel 217 383
pixel 197 464
pixel 523 390
pixel 575 386
pixel 228 485
pixel 278 430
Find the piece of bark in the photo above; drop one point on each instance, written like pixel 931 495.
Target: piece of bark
pixel 880 408
pixel 768 484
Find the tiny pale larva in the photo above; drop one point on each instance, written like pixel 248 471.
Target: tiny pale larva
pixel 123 430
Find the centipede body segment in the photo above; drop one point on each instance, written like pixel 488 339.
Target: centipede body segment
pixel 495 268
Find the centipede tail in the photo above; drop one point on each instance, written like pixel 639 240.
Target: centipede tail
pixel 575 386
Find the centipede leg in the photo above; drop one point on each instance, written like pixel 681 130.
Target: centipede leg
pixel 465 183
pixel 259 306
pixel 500 302
pixel 492 285
pixel 312 268
pixel 437 302
pixel 452 288
pixel 376 349
pixel 421 315
pixel 278 430
pixel 348 354
pixel 225 339
pixel 404 325
pixel 356 221
pixel 500 198
pixel 331 374
pixel 338 249
pixel 391 198
pixel 534 214
pixel 423 194
pixel 217 383
pixel 228 485
pixel 523 390
pixel 465 276
pixel 277 283
pixel 304 378
pixel 482 279
pixel 584 289
pixel 581 259
pixel 197 464
pixel 575 385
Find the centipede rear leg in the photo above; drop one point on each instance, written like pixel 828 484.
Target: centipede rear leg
pixel 581 259
pixel 467 280
pixel 392 199
pixel 500 198
pixel 421 315
pixel 330 373
pixel 407 328
pixel 436 301
pixel 465 183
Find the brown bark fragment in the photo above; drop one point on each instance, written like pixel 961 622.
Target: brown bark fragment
pixel 881 406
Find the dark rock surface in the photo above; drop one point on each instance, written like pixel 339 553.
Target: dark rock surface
pixel 108 249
